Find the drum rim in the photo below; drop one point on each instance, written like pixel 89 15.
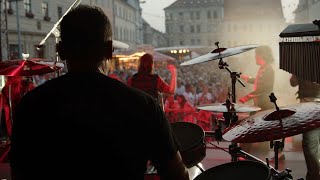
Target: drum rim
pixel 236 163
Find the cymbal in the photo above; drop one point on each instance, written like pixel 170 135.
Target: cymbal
pixel 219 53
pixel 234 108
pixel 22 67
pixel 266 126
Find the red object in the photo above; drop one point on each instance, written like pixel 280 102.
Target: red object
pixel 152 176
pixel 267 126
pixel 25 68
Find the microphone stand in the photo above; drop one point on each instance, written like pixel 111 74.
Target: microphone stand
pixel 55 31
pixel 231 111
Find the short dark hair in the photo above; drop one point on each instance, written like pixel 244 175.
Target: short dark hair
pixel 84 31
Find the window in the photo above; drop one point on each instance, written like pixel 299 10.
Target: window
pixel 192 29
pixel 181 15
pixel 181 42
pixel 181 28
pixel 45 10
pixel 209 14
pixel 198 28
pixel 27 6
pixel 192 41
pixel 191 16
pixel 215 14
pixel 198 14
pixel 8 7
pixel 14 51
pixel 59 12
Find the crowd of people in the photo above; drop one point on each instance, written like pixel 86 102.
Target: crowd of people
pixel 195 85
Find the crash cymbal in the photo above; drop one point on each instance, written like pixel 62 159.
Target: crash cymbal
pixel 219 53
pixel 234 108
pixel 266 125
pixel 22 67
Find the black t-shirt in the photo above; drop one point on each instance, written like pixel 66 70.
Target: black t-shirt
pixel 88 125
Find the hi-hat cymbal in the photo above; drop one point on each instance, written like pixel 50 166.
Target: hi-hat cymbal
pixel 220 53
pixel 232 107
pixel 266 126
pixel 22 67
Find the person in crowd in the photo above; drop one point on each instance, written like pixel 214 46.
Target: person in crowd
pixel 309 92
pixel 86 125
pixel 204 117
pixel 12 92
pixel 151 83
pixel 190 95
pixel 263 87
pixel 180 87
pixel 187 112
pixel 171 107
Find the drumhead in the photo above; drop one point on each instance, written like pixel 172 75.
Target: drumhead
pixel 188 134
pixel 248 170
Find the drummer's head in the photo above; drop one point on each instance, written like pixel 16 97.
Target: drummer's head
pixel 146 64
pixel 85 37
pixel 264 55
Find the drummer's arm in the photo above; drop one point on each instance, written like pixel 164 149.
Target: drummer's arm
pixel 173 169
pixel 165 151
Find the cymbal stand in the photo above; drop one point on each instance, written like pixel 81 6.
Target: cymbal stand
pixel 276 145
pixel 234 78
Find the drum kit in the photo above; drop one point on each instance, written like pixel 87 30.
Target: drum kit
pixel 268 125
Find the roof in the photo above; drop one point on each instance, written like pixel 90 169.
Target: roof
pixel 191 3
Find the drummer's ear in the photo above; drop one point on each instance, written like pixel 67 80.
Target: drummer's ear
pixel 108 49
pixel 61 51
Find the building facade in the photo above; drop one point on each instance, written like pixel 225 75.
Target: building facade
pixel 36 18
pixel 307 11
pixel 193 22
pixel 153 37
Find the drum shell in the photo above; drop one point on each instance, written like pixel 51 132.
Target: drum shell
pixel 190 137
pixel 248 170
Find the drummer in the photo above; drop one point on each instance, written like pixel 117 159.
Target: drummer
pixel 263 84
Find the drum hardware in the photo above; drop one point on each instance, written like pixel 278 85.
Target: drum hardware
pixel 190 137
pixel 25 67
pixel 265 125
pixel 275 174
pixel 219 53
pixel 276 145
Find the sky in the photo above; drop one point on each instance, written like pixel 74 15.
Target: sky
pixel 152 11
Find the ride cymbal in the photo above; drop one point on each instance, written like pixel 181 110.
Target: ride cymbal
pixel 271 125
pixel 219 53
pixel 232 107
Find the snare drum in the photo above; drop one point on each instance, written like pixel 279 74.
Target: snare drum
pixel 190 137
pixel 248 170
